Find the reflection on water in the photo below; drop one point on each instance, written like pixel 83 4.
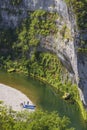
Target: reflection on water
pixel 44 98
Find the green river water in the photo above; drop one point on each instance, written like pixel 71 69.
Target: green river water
pixel 44 98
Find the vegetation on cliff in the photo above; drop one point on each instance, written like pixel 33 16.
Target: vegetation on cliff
pixel 17 44
pixel 80 10
pixel 15 2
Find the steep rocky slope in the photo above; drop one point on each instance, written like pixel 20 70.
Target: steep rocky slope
pixel 67 43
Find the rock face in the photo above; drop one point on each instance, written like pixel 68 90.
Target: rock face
pixel 13 14
pixel 65 44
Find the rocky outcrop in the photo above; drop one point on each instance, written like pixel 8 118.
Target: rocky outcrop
pixel 13 14
pixel 65 44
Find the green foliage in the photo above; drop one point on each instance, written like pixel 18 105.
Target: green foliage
pixel 82 50
pixel 6 120
pixel 38 24
pixel 44 22
pixel 15 66
pixel 1 102
pixel 37 120
pixel 65 32
pixel 15 2
pixel 48 68
pixel 18 44
pixel 80 10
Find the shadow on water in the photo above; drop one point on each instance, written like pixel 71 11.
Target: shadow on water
pixel 42 95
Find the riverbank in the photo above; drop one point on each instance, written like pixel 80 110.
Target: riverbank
pixel 13 98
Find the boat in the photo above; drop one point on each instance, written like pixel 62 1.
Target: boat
pixel 29 106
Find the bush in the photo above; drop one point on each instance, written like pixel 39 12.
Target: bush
pixel 80 10
pixel 37 120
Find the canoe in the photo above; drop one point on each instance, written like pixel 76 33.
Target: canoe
pixel 29 106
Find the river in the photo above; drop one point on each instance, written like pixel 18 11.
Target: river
pixel 44 98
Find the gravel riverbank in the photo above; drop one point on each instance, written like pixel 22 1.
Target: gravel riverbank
pixel 13 98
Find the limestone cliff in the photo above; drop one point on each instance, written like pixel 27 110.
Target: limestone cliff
pixel 66 44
